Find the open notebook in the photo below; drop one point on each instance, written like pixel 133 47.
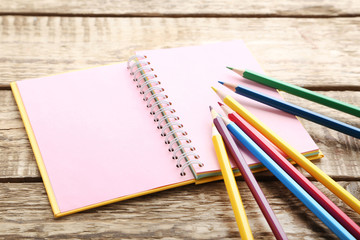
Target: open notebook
pixel 96 143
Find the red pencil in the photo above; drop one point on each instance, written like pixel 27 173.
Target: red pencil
pixel 313 191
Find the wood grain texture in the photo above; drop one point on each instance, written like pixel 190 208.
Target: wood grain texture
pixel 190 212
pixel 15 150
pixel 309 43
pixel 314 53
pixel 342 152
pixel 183 8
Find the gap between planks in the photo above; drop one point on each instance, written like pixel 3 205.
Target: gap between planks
pixel 266 179
pixel 172 15
pixel 6 87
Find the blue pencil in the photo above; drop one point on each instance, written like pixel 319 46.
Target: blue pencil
pixel 293 186
pixel 296 110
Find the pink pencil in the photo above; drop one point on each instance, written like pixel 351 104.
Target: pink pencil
pixel 263 143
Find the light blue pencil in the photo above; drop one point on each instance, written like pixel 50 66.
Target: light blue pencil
pixel 295 188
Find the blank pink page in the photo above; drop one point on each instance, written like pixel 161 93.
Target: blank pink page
pixel 187 74
pixel 96 136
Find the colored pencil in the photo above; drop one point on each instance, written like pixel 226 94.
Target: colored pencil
pixel 295 155
pixel 298 91
pixel 295 188
pixel 296 110
pixel 231 187
pixel 249 178
pixel 313 191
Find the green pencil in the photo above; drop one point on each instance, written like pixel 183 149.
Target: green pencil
pixel 298 91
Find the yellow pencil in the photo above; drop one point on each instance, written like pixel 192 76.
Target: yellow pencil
pixel 295 155
pixel 231 187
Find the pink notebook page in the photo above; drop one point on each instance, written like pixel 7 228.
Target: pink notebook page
pixel 187 74
pixel 96 136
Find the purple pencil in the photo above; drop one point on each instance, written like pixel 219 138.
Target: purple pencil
pixel 249 177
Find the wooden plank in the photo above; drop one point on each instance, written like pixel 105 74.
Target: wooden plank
pixel 342 152
pixel 190 212
pixel 182 8
pixel 290 49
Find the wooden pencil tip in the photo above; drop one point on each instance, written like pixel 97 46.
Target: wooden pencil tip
pixel 214 130
pixel 214 114
pixel 226 109
pixel 226 120
pixel 210 108
pixel 231 86
pixel 215 90
pixel 238 71
pixel 229 68
pixel 221 82
pixel 221 94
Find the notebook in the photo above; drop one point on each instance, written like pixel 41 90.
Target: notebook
pixel 98 140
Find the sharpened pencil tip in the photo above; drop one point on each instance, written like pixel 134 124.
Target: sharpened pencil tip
pixel 226 109
pixel 214 130
pixel 231 86
pixel 214 114
pixel 238 71
pixel 210 108
pixel 221 82
pixel 219 93
pixel 226 120
pixel 229 68
pixel 215 90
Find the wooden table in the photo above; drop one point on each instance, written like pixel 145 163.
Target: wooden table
pixel 310 43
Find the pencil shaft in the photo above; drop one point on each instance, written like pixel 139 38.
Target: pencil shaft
pixel 232 189
pixel 302 92
pixel 313 191
pixel 299 111
pixel 250 180
pixel 294 154
pixel 299 192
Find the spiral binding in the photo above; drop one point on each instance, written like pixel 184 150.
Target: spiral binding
pixel 163 113
pixel 162 110
pixel 176 139
pixel 159 103
pixel 152 82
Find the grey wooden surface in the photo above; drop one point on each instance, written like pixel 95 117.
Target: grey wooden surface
pixel 309 43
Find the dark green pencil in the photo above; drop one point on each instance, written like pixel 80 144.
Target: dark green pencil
pixel 298 91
